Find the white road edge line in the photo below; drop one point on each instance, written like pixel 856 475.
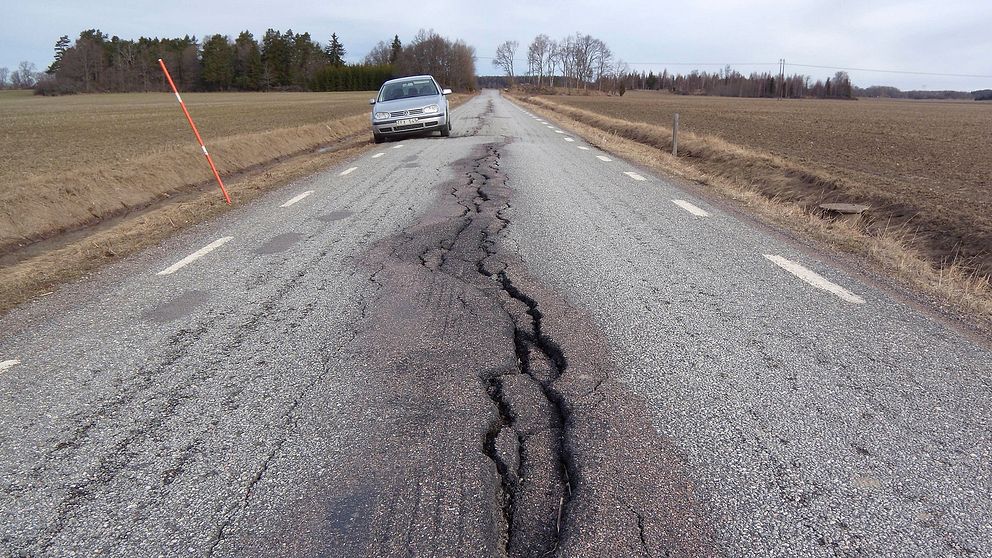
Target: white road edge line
pixel 297 198
pixel 603 158
pixel 814 279
pixel 8 364
pixel 695 210
pixel 634 175
pixel 582 147
pixel 346 172
pixel 195 255
pixel 377 155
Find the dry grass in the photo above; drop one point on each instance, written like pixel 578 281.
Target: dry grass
pixel 70 162
pixel 778 191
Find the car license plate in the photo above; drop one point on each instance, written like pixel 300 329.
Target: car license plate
pixel 407 121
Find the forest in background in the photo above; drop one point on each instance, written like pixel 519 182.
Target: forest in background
pixel 280 61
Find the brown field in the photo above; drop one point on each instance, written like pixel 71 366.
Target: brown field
pixel 43 135
pixel 926 166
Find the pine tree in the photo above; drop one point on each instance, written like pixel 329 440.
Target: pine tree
pixel 247 62
pixel 276 59
pixel 218 62
pixel 61 46
pixel 397 48
pixel 335 51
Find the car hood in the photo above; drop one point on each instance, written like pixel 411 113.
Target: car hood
pixel 407 104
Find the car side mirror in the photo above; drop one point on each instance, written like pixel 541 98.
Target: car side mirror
pixel 446 92
pixel 371 101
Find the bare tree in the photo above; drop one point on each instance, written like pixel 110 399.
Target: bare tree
pixel 25 76
pixel 4 75
pixel 566 60
pixel 380 55
pixel 504 57
pixel 619 71
pixel 537 56
pixel 551 61
pixel 604 61
pixel 584 54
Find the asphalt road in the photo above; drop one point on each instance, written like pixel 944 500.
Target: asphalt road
pixel 506 342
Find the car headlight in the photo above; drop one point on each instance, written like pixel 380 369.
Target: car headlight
pixel 381 115
pixel 431 109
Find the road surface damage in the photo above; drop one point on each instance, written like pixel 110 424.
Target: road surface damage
pixel 575 466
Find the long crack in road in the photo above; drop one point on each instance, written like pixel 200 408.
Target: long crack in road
pixel 566 443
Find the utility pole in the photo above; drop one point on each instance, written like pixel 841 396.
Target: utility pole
pixel 781 75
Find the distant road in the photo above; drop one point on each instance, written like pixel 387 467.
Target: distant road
pixel 506 342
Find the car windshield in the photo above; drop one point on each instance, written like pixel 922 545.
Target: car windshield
pixel 406 89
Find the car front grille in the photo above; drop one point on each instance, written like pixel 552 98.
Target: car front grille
pixel 411 112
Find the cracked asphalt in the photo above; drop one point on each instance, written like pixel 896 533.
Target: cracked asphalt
pixel 500 343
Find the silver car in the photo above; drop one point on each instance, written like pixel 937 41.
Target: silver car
pixel 410 105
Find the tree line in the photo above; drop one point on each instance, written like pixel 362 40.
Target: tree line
pixel 730 83
pixel 280 61
pixel 886 92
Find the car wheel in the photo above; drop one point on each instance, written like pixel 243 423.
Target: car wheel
pixel 446 130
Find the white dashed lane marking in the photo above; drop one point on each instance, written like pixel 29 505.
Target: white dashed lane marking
pixel 691 208
pixel 346 172
pixel 195 256
pixel 569 139
pixel 8 364
pixel 297 198
pixel 559 132
pixel 582 147
pixel 603 158
pixel 377 155
pixel 815 279
pixel 398 146
pixel 635 176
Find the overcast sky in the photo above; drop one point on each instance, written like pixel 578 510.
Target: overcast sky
pixel 942 36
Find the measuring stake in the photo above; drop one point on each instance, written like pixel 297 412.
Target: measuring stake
pixel 195 131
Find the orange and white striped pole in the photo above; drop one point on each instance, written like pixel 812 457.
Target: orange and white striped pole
pixel 195 131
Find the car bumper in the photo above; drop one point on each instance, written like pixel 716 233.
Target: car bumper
pixel 424 123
